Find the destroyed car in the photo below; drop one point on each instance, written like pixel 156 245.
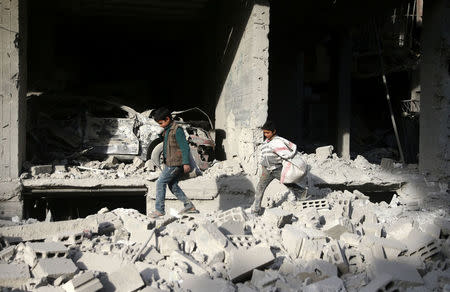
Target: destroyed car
pixel 100 128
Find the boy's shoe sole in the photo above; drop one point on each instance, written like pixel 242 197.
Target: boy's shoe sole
pixel 155 214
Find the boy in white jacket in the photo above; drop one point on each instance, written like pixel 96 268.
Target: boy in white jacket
pixel 273 150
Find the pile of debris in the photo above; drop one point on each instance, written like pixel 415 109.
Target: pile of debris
pixel 111 168
pixel 337 242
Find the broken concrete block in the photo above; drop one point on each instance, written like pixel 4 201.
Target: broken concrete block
pixel 178 230
pixel 194 266
pixel 334 253
pixel 7 253
pixel 392 247
pixel 232 227
pixel 278 217
pixel 35 251
pixel 324 152
pixel 110 162
pixel 154 256
pixel 85 282
pixel 41 169
pixel 68 238
pixel 138 225
pixel 150 165
pixel 126 279
pixel 14 275
pixel 243 241
pixel 432 229
pixel 351 239
pixel 211 241
pixel 244 261
pixel 235 214
pixel 444 224
pixel 311 249
pixel 54 268
pixel 422 244
pixel 316 204
pixel 137 163
pixel 336 231
pixel 321 268
pixel 400 229
pixel 293 240
pixel 372 229
pixel 383 282
pixel 205 284
pixel 262 280
pixel 331 284
pixel 98 262
pixel 398 271
pixel 167 245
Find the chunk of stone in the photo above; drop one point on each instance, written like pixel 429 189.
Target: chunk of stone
pixel 14 275
pixel 432 229
pixel 204 284
pixel 331 284
pixel 334 253
pixel 154 256
pixel 400 229
pixel 211 241
pixel 278 217
pixel 262 280
pixel 383 282
pixel 110 162
pixel 350 238
pixel 321 268
pixel 137 163
pixel 138 225
pixel 293 240
pixel 398 271
pixel 54 268
pixel 126 279
pixel 324 152
pixel 336 231
pixel 41 169
pixel 232 227
pixel 98 262
pixel 194 266
pixel 167 245
pixel 85 282
pixel 7 253
pixel 243 262
pixel 444 224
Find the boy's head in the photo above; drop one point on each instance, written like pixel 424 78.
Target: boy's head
pixel 162 116
pixel 269 129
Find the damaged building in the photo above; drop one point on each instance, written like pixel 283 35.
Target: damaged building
pixel 361 87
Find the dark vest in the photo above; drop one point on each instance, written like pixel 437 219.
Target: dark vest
pixel 173 151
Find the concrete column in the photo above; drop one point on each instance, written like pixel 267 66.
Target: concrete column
pixel 242 105
pixel 12 87
pixel 344 96
pixel 434 146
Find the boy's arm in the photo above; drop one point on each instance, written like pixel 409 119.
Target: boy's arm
pixel 183 144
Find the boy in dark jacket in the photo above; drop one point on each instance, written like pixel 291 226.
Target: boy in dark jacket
pixel 176 159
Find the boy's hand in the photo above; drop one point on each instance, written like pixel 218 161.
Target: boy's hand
pixel 186 168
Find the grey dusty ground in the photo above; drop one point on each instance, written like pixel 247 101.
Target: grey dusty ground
pixel 334 241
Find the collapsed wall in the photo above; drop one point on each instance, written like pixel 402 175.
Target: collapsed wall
pixel 242 105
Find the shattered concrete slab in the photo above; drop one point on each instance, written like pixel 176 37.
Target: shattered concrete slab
pixel 243 262
pixel 126 279
pixel 13 275
pixel 54 268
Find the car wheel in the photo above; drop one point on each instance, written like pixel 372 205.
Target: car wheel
pixel 157 155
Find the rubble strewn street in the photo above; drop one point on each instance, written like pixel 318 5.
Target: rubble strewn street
pixel 334 241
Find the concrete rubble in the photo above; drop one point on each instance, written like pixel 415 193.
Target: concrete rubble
pixel 337 240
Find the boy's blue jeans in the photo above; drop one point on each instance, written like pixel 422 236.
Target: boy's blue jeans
pixel 170 177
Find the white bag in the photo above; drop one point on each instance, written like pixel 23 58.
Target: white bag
pixel 294 169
